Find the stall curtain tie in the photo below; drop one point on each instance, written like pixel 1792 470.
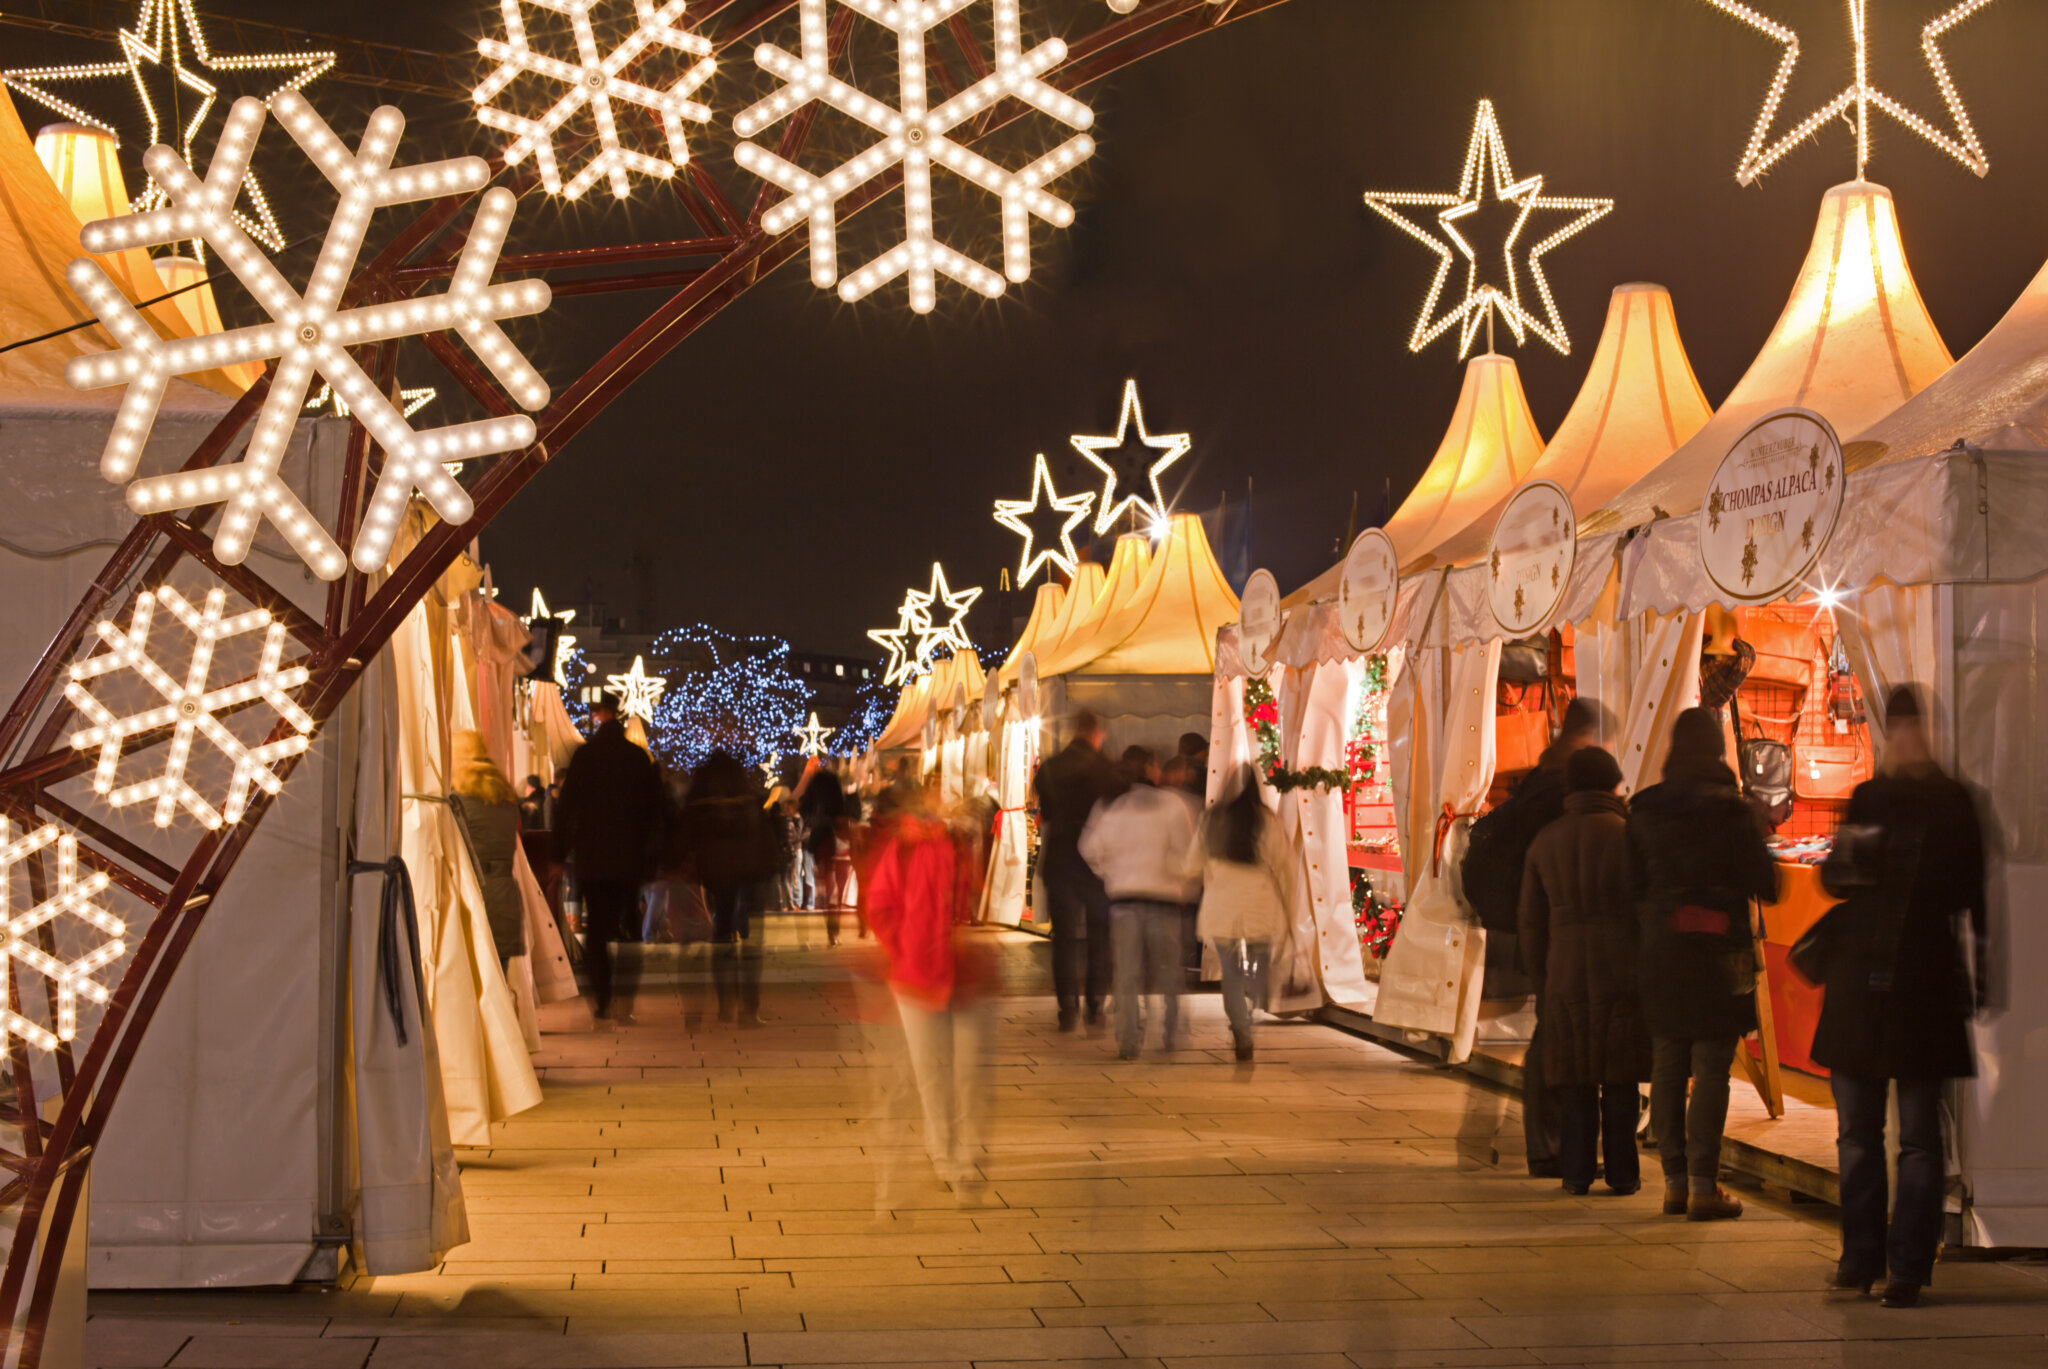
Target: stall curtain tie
pixel 1444 822
pixel 997 832
pixel 395 900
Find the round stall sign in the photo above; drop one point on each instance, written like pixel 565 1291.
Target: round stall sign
pixel 1367 588
pixel 1027 686
pixel 1535 544
pixel 1258 621
pixel 991 701
pixel 1772 505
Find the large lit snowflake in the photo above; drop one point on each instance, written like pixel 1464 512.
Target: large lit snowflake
pixel 308 333
pixel 189 708
pixel 597 81
pixel 914 136
pixel 24 934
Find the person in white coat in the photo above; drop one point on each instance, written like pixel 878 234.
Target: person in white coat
pixel 1245 879
pixel 1141 845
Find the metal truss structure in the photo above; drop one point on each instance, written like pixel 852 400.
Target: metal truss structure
pixel 694 278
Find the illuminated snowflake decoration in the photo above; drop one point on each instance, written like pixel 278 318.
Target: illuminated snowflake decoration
pixel 1857 100
pixel 165 33
pixel 813 737
pixel 308 334
pixel 914 136
pixel 74 896
pixel 189 708
pixel 637 690
pixel 595 79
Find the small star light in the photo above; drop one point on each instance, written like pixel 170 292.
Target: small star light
pixel 73 895
pixel 565 645
pixel 1170 446
pixel 309 333
pixel 814 735
pixel 911 618
pixel 771 769
pixel 954 634
pixel 1012 513
pixel 165 32
pixel 1860 94
pixel 595 80
pixel 637 690
pixel 189 709
pixel 1486 158
pixel 914 136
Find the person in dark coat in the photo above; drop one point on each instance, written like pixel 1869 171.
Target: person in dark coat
pixel 1068 785
pixel 1909 863
pixel 611 813
pixel 727 841
pixel 1578 931
pixel 821 805
pixel 1696 859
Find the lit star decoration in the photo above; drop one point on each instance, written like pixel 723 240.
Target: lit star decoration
pixel 953 634
pixel 1170 446
pixel 1860 95
pixel 189 708
pixel 309 334
pixel 595 80
pixel 902 663
pixel 637 690
pixel 771 769
pixel 1012 513
pixel 565 645
pixel 1486 159
pixel 914 136
pixel 73 895
pixel 812 737
pixel 411 401
pixel 165 30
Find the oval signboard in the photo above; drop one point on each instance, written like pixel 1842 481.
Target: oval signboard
pixel 1027 686
pixel 1535 544
pixel 991 700
pixel 1258 621
pixel 1367 588
pixel 1772 505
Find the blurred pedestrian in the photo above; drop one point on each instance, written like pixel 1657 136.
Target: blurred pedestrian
pixel 1578 932
pixel 1191 764
pixel 488 812
pixel 940 976
pixel 612 807
pixel 728 842
pixel 1908 862
pixel 1141 845
pixel 821 802
pixel 1246 879
pixel 533 806
pixel 797 883
pixel 1068 785
pixel 1696 859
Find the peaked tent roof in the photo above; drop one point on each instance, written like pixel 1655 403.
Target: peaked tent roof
pixel 1853 343
pixel 908 722
pixel 1082 592
pixel 1085 641
pixel 1638 403
pixel 1045 608
pixel 1490 447
pixel 38 239
pixel 1996 396
pixel 1168 626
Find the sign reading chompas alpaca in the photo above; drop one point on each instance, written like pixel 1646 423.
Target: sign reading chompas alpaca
pixel 1258 621
pixel 1535 544
pixel 1772 505
pixel 1367 589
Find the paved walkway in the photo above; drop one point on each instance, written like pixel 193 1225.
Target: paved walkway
pixel 711 1199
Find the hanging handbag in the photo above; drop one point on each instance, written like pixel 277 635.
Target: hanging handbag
pixel 1519 739
pixel 1784 651
pixel 1767 771
pixel 1526 661
pixel 1828 774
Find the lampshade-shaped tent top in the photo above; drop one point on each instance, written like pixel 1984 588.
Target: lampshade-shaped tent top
pixel 953 683
pixel 907 723
pixel 38 240
pixel 1084 641
pixel 1082 592
pixel 1045 610
pixel 1638 403
pixel 1490 447
pixel 1853 343
pixel 1168 625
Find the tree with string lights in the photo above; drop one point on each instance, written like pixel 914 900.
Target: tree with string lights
pixel 736 694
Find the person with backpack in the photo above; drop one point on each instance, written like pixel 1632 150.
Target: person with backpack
pixel 1496 857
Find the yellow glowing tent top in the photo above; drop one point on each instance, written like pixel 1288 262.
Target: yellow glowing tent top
pixel 908 722
pixel 1082 592
pixel 954 682
pixel 1168 625
pixel 1638 403
pixel 1084 641
pixel 1853 344
pixel 1045 608
pixel 38 239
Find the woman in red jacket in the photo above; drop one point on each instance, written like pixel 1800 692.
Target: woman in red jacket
pixel 939 975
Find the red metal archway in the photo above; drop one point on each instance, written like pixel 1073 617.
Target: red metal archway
pixel 44 1180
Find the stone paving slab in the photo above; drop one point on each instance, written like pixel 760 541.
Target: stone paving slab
pixel 761 1198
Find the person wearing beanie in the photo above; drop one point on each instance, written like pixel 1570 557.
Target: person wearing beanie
pixel 1696 858
pixel 1899 999
pixel 1578 933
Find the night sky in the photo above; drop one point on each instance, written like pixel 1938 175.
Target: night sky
pixel 799 462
